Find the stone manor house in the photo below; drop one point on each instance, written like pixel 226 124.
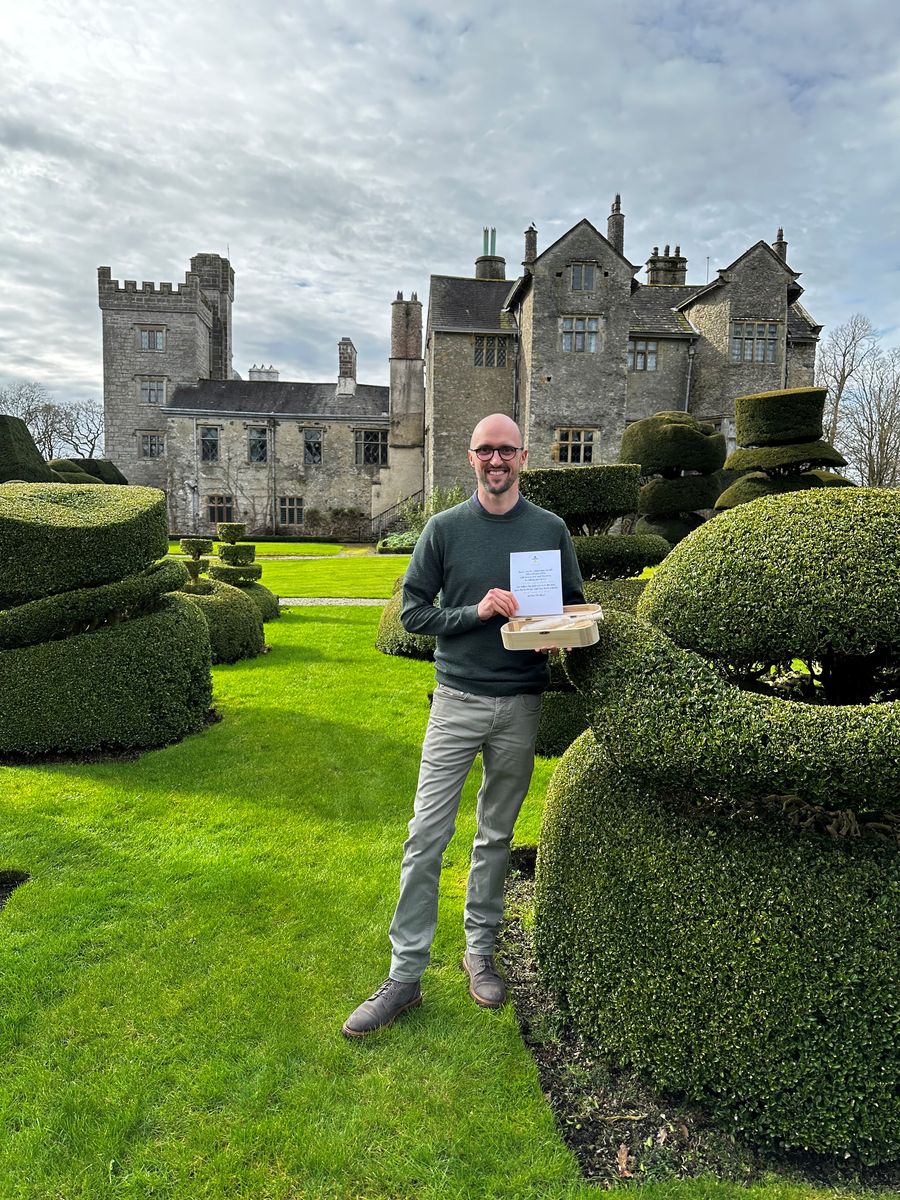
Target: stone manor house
pixel 574 349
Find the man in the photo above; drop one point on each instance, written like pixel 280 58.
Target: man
pixel 487 699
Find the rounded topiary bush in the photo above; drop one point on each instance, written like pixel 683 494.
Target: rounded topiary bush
pixel 615 595
pixel 148 679
pixel 58 538
pixel 562 720
pixel 756 484
pixel 235 624
pixel 672 441
pixel 588 499
pixel 741 846
pixel 749 967
pixel 266 602
pixel 392 638
pixel 787 415
pixel 613 557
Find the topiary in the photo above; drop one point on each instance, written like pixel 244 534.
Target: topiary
pixel 66 471
pixel 101 468
pixel 589 499
pixel 779 438
pixel 237 568
pixel 680 459
pixel 718 880
pixel 20 459
pixel 234 620
pixel 392 638
pixel 149 651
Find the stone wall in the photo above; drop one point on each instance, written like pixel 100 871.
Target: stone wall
pixel 665 388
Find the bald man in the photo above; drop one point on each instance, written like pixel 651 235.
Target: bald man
pixel 487 699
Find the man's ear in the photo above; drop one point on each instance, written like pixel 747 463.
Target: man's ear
pixel 524 457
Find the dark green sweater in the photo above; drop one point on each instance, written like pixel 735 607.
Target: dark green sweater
pixel 461 554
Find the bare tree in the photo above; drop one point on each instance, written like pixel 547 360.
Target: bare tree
pixel 844 354
pixel 868 432
pixel 57 429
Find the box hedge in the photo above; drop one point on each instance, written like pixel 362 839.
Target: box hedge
pixel 234 621
pixel 794 454
pixel 66 471
pixel 771 418
pixel 672 441
pixel 236 576
pixel 56 537
pixel 751 968
pixel 148 680
pixel 809 574
pixel 688 493
pixel 756 484
pixel 614 595
pixel 266 601
pixel 77 611
pixel 672 529
pixel 20 458
pixel 238 554
pixel 392 638
pixel 609 556
pixel 585 497
pixel 103 469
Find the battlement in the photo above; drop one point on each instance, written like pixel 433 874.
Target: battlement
pixel 187 295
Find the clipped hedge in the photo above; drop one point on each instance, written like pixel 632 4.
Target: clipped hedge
pixel 809 574
pixel 66 471
pixel 562 720
pixel 74 612
pixel 670 441
pixel 101 468
pixel 614 595
pixel 196 546
pixel 770 418
pixel 148 681
pixel 757 483
pixel 667 715
pixel 239 554
pixel 752 969
pixel 236 576
pixel 611 556
pixel 20 458
pixel 59 537
pixel 796 454
pixel 392 638
pixel 582 496
pixel 265 600
pixel 234 621
pixel 685 494
pixel 671 529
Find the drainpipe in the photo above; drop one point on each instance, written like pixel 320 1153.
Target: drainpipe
pixel 515 412
pixel 687 387
pixel 195 498
pixel 273 480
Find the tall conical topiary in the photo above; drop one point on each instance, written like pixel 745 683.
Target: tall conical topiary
pixel 680 458
pixel 237 567
pixel 780 446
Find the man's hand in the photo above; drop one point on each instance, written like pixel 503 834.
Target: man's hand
pixel 496 602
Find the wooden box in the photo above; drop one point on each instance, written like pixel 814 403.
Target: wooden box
pixel 576 627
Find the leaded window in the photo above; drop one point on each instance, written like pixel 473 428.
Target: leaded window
pixel 641 354
pixel 490 350
pixel 371 447
pixel 153 391
pixel 209 443
pixel 579 334
pixel 575 447
pixel 582 277
pixel 153 445
pixel 312 447
pixel 257 444
pixel 753 341
pixel 153 339
pixel 219 508
pixel 290 510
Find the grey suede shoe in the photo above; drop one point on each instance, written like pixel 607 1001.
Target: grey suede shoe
pixel 486 987
pixel 382 1008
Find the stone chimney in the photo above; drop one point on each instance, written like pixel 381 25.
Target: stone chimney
pixel 490 265
pixel 406 327
pixel 615 225
pixel 780 245
pixel 530 249
pixel 346 384
pixel 262 374
pixel 666 267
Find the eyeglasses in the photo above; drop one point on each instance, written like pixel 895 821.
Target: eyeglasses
pixel 486 453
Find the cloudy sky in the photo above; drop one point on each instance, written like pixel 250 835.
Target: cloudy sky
pixel 339 151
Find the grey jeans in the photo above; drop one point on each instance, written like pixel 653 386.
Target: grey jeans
pixel 503 728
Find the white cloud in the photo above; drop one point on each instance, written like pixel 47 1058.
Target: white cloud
pixel 341 152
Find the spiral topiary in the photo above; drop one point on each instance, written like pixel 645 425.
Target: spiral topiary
pixel 237 568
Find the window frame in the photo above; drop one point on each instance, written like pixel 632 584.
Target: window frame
pixel 262 444
pixel 361 447
pixel 588 437
pixel 309 460
pixel 216 501
pixel 285 504
pixel 151 444
pixel 154 333
pixel 640 354
pixel 589 333
pixel 584 273
pixel 491 351
pixel 762 347
pixel 158 385
pixel 202 431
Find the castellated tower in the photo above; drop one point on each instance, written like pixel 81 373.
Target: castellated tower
pixel 154 338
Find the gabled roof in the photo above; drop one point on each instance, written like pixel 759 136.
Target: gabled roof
pixel 463 303
pixel 655 308
pixel 800 325
pixel 266 399
pixel 593 228
pixel 794 288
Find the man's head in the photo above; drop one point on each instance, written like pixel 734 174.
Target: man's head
pixel 498 472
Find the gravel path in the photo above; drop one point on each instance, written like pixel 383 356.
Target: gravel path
pixel 294 600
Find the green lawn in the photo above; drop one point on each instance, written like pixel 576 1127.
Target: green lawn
pixel 371 577
pixel 199 922
pixel 266 549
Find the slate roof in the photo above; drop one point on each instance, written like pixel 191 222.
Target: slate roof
pixel 800 324
pixel 652 308
pixel 457 303
pixel 280 399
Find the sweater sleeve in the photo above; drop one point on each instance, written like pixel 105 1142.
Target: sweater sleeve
pixel 421 585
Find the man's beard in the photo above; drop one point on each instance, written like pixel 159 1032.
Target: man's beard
pixel 498 487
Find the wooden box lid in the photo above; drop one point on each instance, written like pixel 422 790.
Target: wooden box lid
pixel 576 627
